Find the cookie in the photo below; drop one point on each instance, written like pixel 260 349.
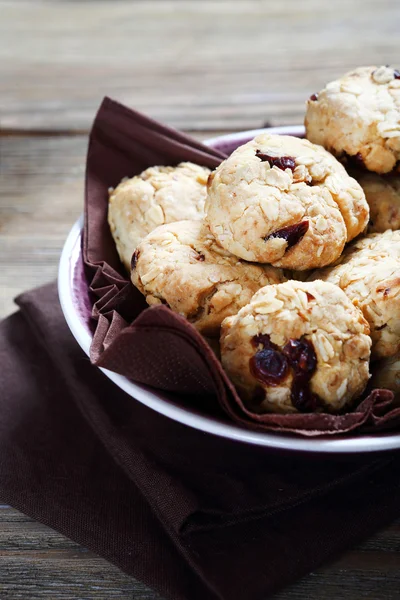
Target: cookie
pixel 383 196
pixel 297 347
pixel 282 200
pixel 369 273
pixel 157 196
pixel 359 116
pixel 181 265
pixel 386 375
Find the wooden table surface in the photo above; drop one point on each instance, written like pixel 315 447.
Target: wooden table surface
pixel 201 66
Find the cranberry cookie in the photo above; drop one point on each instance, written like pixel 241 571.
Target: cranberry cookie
pixel 359 116
pixel 369 273
pixel 181 265
pixel 158 195
pixel 282 200
pixel 383 196
pixel 297 347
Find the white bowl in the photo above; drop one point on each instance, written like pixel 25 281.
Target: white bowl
pixel 76 306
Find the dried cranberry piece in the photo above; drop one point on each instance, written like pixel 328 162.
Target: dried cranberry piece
pixel 303 361
pixel 134 260
pixel 269 366
pixel 264 340
pixel 282 162
pixel 200 257
pixel 314 97
pixel 301 355
pixel 302 398
pixel 292 234
pixel 396 74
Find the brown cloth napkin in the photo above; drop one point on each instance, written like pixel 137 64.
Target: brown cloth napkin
pixel 192 515
pixel 155 346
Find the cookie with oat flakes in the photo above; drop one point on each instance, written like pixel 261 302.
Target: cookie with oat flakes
pixel 358 115
pixel 181 265
pixel 282 200
pixel 297 347
pixel 157 196
pixel 369 273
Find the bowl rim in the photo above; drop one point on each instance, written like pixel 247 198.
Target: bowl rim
pixel 345 444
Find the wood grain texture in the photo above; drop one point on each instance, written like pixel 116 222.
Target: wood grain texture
pixel 196 65
pixel 37 562
pixel 203 66
pixel 41 195
pixel 41 184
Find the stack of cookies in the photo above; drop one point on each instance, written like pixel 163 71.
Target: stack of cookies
pixel 258 255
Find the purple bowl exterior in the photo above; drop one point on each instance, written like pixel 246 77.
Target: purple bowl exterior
pixel 80 288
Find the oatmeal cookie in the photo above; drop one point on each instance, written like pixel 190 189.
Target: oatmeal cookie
pixel 181 265
pixel 386 375
pixel 297 347
pixel 359 116
pixel 369 273
pixel 383 196
pixel 157 196
pixel 282 200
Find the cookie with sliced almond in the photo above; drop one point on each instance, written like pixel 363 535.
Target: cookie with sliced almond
pixel 182 266
pixel 282 200
pixel 297 347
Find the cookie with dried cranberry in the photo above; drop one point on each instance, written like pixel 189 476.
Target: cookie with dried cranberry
pixel 157 196
pixel 181 265
pixel 369 273
pixel 297 347
pixel 358 115
pixel 386 375
pixel 383 196
pixel 284 201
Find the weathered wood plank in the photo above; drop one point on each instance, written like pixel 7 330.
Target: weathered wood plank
pixel 196 65
pixel 41 183
pixel 37 562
